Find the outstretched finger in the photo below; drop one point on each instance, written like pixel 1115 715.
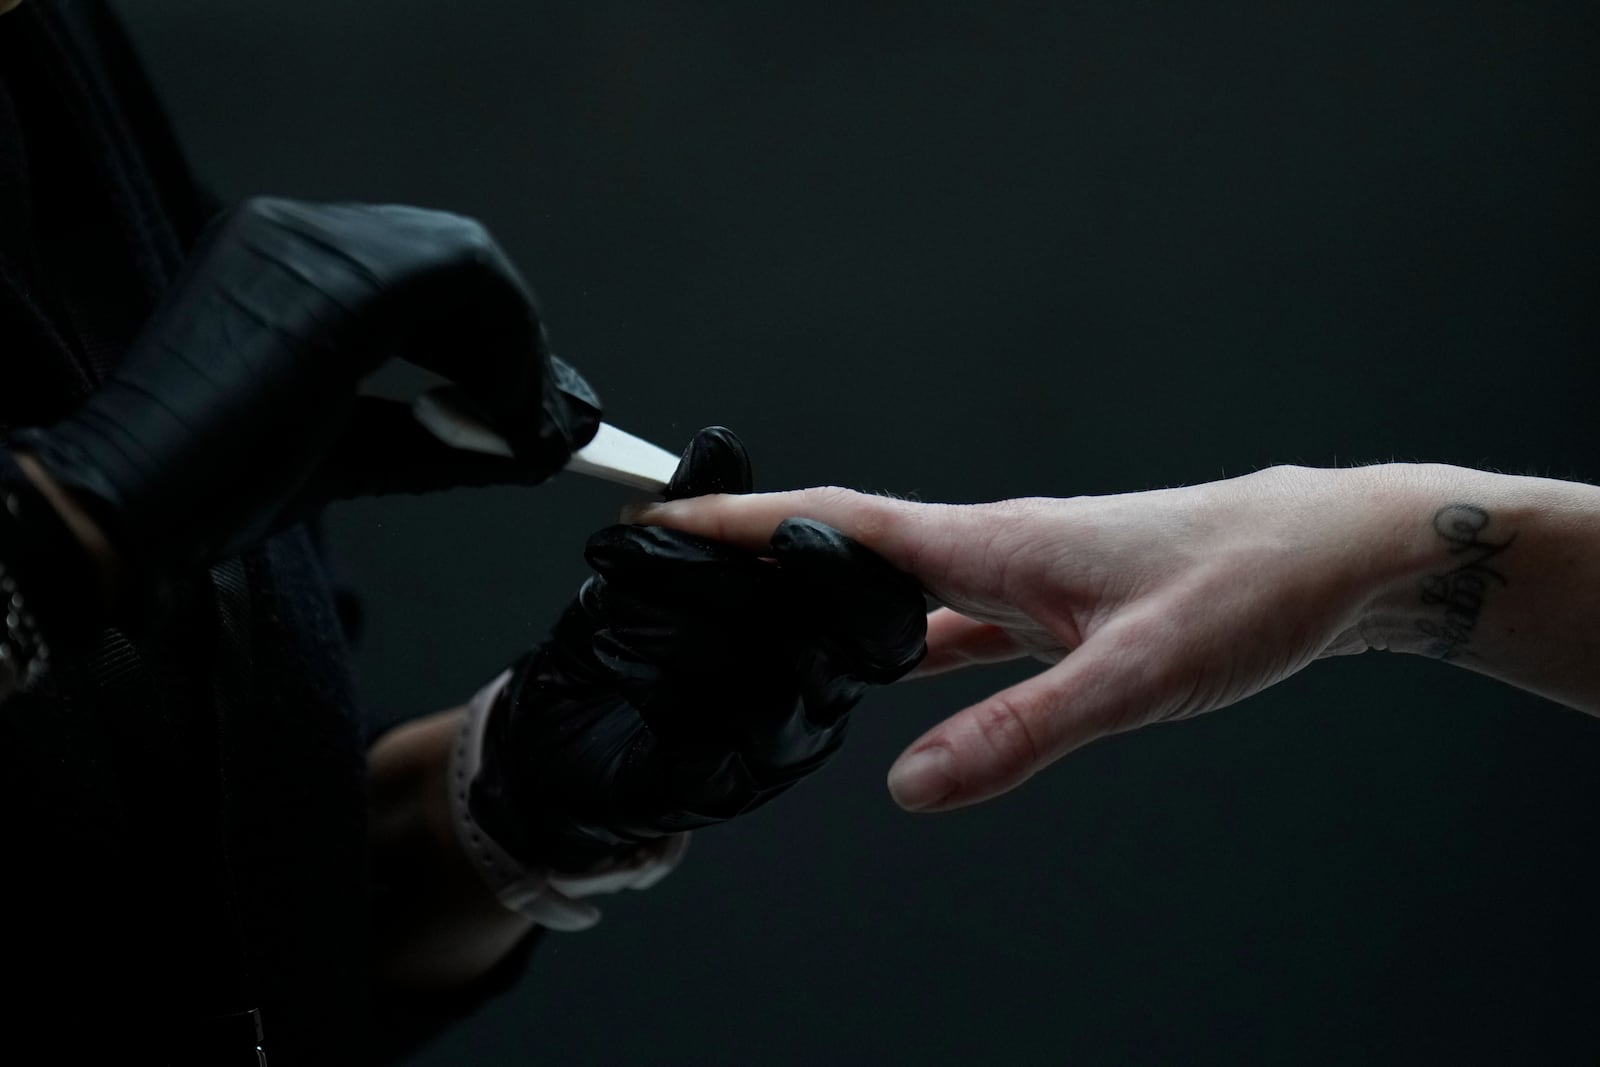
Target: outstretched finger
pixel 903 533
pixel 955 641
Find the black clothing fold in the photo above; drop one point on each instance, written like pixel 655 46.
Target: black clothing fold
pixel 185 802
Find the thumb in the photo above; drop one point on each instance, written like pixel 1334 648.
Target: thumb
pixel 715 461
pixel 383 450
pixel 997 744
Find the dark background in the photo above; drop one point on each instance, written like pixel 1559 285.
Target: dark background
pixel 968 251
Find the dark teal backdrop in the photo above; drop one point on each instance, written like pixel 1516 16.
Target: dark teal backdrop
pixel 974 250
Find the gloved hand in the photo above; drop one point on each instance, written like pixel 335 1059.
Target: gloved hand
pixel 688 682
pixel 235 413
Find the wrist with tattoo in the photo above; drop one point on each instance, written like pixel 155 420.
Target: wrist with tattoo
pixel 1457 591
pixel 1441 544
pixel 1496 573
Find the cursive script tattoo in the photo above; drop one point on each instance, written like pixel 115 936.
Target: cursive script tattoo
pixel 1457 594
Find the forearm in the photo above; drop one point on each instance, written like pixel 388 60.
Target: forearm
pixel 439 926
pixel 1496 573
pixel 96 545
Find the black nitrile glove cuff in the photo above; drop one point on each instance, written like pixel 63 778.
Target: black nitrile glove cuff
pixel 530 817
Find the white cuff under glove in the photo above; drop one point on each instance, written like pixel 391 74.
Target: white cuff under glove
pixel 552 899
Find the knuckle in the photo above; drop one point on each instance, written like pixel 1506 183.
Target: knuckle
pixel 472 245
pixel 832 499
pixel 256 206
pixel 1005 731
pixel 871 520
pixel 472 234
pixel 252 213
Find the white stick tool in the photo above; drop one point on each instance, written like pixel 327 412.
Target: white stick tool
pixel 613 456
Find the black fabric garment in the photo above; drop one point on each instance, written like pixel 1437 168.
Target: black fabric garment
pixel 185 803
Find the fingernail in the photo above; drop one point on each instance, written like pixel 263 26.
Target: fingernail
pixel 923 779
pixel 639 513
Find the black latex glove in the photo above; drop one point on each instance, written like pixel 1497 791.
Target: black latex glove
pixel 689 682
pixel 236 413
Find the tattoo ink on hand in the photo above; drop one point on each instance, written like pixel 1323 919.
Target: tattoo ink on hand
pixel 1458 593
